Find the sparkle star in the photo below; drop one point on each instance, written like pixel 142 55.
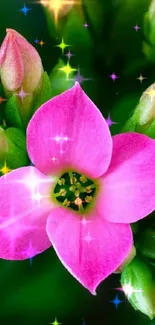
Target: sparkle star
pixel 78 77
pixel 55 322
pixel 2 100
pixel 22 94
pixel 58 6
pixel 25 10
pixel 140 78
pixel 4 170
pixel 128 289
pixel 67 69
pixel 69 55
pixel 86 25
pixel 136 27
pixel 116 301
pixel 62 46
pixel 88 238
pixel 37 196
pixel 113 76
pixel 84 222
pixel 54 159
pixel 29 251
pixel 109 121
pixel 36 41
pixel 41 43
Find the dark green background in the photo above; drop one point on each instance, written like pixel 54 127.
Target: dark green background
pixel 37 294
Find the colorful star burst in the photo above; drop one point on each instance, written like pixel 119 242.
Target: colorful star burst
pixel 113 76
pixel 109 121
pixel 55 322
pixel 62 46
pixel 2 100
pixel 116 301
pixel 69 55
pixel 141 78
pixel 25 9
pixel 57 6
pixel 136 28
pixel 41 43
pixel 67 69
pixel 22 94
pixel 5 169
pixel 128 289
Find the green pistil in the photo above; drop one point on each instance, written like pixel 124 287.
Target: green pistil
pixel 72 191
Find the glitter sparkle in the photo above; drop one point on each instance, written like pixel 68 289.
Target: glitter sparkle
pixel 67 69
pixel 136 28
pixel 88 238
pixel 69 55
pixel 4 170
pixel 55 322
pixel 62 46
pixel 109 121
pixel 25 10
pixel 113 76
pixel 22 94
pixel 41 43
pixel 2 100
pixel 116 301
pixel 141 78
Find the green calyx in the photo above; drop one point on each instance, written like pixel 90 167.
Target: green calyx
pixel 75 191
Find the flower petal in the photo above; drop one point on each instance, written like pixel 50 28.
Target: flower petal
pixel 22 216
pixel 69 130
pixel 91 250
pixel 127 193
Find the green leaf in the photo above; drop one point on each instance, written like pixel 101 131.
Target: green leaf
pixel 78 38
pixel 17 155
pixel 44 94
pixel 11 113
pixel 146 243
pixel 96 12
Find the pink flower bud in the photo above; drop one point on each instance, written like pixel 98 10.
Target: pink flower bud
pixel 20 63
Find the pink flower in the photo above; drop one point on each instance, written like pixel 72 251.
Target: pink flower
pixel 66 138
pixel 20 64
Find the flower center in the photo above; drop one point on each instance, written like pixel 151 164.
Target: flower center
pixel 75 191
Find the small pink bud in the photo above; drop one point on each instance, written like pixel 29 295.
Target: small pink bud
pixel 20 63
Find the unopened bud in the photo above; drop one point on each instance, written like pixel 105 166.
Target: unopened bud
pixel 143 118
pixel 139 287
pixel 20 63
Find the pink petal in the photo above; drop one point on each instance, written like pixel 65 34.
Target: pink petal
pixel 69 131
pixel 128 188
pixel 91 251
pixel 22 218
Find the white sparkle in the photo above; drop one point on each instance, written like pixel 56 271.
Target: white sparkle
pixel 37 196
pixel 129 290
pixel 60 138
pixel 61 151
pixel 88 238
pixel 54 159
pixel 84 222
